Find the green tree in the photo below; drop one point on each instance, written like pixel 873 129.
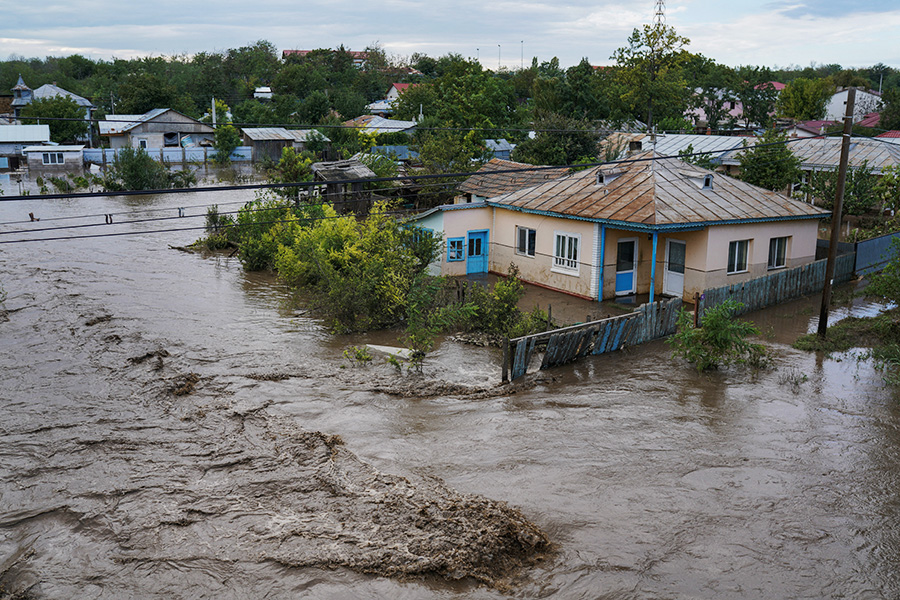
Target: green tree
pixel 559 141
pixel 714 93
pixel 890 113
pixel 143 92
pixel 445 152
pixel 757 95
pixel 804 99
pixel 649 70
pixel 860 185
pixel 226 140
pixel 292 167
pixel 65 118
pixel 769 163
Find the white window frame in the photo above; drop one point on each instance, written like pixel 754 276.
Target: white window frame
pixel 526 248
pixel 736 267
pixel 52 158
pixel 142 144
pixel 773 245
pixel 568 262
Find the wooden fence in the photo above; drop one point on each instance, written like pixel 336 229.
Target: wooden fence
pixel 780 286
pixel 560 346
pixel 652 321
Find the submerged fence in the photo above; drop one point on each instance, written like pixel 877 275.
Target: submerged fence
pixel 177 155
pixel 659 319
pixel 560 346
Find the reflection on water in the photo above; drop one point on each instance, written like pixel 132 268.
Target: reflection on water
pixel 652 480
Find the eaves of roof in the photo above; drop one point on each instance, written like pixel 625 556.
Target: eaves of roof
pixel 649 228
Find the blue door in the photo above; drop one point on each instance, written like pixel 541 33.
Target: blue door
pixel 477 252
pixel 626 266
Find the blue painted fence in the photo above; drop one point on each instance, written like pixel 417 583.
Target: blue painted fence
pixel 872 255
pixel 561 346
pixel 101 156
pixel 659 319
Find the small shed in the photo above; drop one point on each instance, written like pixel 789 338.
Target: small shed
pixel 344 180
pixel 268 142
pixel 54 158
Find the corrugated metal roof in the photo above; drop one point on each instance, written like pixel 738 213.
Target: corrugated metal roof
pixel 825 153
pixel 342 170
pixel 53 148
pixel 49 90
pixel 117 124
pixel 259 134
pixel 487 182
pixel 656 193
pixel 670 144
pixel 24 133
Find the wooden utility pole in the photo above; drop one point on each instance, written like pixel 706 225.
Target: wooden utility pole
pixel 836 215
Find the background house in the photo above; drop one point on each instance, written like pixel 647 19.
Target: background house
pixel 867 101
pixel 15 138
pixel 158 128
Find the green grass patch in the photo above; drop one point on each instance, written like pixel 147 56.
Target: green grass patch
pixel 856 332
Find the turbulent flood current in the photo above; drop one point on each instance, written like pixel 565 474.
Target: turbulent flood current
pixel 172 427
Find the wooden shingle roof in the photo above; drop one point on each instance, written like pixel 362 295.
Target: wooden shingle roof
pixel 654 191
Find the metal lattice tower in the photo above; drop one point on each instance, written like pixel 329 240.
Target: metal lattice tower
pixel 659 18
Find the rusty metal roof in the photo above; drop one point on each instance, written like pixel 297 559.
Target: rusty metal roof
pixel 491 180
pixel 653 191
pixel 818 154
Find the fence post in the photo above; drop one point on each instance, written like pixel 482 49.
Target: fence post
pixel 549 317
pixel 696 308
pixel 505 376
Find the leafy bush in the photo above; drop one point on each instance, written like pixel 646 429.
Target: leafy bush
pixel 720 341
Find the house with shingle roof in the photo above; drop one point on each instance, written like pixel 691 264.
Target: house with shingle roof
pixel 647 225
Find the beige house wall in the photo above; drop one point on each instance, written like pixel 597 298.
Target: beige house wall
pixel 801 248
pixel 540 268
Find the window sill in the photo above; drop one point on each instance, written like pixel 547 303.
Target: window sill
pixel 564 271
pixel 524 254
pixel 737 272
pixel 776 268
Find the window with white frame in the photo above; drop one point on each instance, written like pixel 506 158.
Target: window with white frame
pixel 737 256
pixel 142 144
pixel 52 158
pixel 525 240
pixel 455 249
pixel 778 252
pixel 565 254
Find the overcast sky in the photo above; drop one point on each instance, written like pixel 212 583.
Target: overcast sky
pixel 733 32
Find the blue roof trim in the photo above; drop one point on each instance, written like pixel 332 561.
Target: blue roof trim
pixel 656 228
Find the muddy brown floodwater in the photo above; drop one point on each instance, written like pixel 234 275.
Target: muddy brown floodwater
pixel 171 428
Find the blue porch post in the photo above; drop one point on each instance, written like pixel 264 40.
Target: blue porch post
pixel 653 268
pixel 602 258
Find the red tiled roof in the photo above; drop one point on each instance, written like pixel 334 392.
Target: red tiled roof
pixel 894 133
pixel 870 120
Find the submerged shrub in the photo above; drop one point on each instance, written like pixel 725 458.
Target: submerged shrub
pixel 720 341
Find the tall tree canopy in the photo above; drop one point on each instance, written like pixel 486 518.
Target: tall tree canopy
pixel 649 71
